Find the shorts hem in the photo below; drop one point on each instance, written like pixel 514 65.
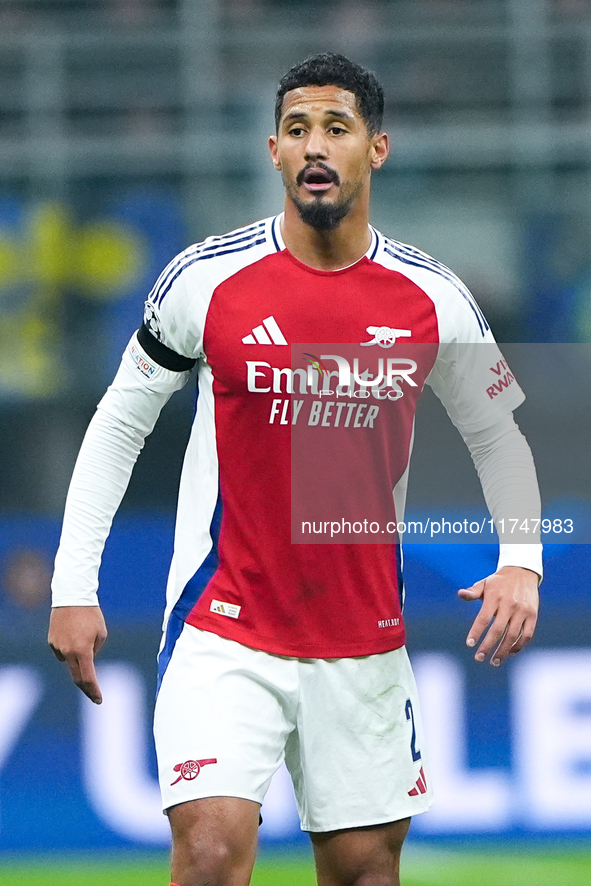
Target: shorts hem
pixel 367 822
pixel 231 795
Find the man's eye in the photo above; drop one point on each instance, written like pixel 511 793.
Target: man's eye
pixel 296 131
pixel 337 130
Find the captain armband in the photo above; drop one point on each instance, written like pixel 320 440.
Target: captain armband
pixel 161 354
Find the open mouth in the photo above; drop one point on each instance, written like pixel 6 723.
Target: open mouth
pixel 317 178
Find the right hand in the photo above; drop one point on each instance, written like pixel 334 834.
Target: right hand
pixel 76 633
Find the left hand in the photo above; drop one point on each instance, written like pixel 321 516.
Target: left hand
pixel 509 611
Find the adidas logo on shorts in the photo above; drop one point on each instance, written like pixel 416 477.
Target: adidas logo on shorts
pixel 420 785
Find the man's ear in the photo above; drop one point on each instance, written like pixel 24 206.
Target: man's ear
pixel 379 150
pixel 274 152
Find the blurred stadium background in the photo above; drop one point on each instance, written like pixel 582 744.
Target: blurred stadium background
pixel 130 128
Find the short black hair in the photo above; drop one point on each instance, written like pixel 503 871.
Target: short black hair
pixel 331 69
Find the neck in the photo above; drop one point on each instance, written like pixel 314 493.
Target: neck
pixel 326 250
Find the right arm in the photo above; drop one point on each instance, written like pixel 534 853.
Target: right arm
pixel 124 418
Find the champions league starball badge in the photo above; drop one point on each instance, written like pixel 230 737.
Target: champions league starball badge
pixel 151 320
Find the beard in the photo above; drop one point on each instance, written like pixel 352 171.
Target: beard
pixel 322 214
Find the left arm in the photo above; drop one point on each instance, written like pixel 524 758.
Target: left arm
pixel 509 597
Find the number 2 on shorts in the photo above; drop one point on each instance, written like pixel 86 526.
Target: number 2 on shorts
pixel 416 754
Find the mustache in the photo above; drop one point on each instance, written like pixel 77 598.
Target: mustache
pixel 332 174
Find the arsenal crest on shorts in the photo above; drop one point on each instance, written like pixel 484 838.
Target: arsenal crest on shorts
pixel 190 769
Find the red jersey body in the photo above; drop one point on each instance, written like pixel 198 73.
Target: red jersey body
pixel 274 416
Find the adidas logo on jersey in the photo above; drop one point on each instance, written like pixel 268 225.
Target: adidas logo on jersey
pixel 230 610
pixel 268 333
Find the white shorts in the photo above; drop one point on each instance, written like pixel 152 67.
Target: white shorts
pixel 349 730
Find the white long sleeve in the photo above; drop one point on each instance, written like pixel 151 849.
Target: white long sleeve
pixel 124 418
pixel 507 473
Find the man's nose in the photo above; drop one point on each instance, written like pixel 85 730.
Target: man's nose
pixel 316 145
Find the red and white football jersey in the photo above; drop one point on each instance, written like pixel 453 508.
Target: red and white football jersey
pixel 270 337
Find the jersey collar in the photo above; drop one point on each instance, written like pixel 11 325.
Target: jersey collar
pixel 280 245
